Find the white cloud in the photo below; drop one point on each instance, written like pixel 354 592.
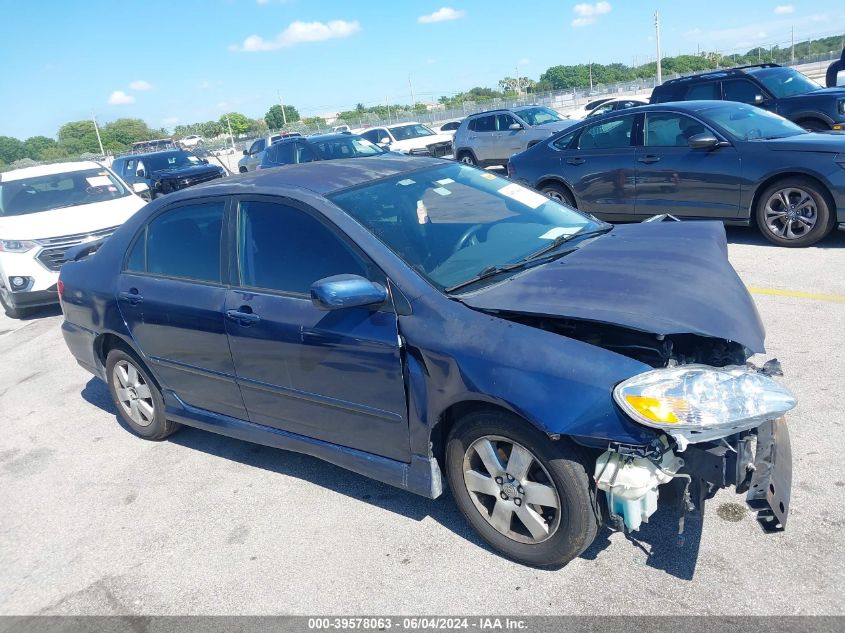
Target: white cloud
pixel 297 33
pixel 524 61
pixel 588 13
pixel 783 9
pixel 140 85
pixel 118 97
pixel 441 15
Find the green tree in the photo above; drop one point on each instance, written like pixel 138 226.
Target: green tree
pixel 78 137
pixel 239 122
pixel 121 133
pixel 36 146
pixel 276 120
pixel 314 120
pixel 11 149
pixel 211 129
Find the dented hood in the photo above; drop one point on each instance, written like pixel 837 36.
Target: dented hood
pixel 662 278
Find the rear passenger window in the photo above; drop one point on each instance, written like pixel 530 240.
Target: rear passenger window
pixel 564 141
pixel 704 91
pixel 185 243
pixel 485 124
pixel 609 135
pixel 740 90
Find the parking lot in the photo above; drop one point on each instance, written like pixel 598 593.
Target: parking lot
pixel 97 521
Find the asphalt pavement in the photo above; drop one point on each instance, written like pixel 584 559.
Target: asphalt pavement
pixel 96 521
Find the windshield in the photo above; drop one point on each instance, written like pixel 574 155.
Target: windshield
pixel 70 189
pixel 450 223
pixel 749 123
pixel 785 82
pixel 538 115
pixel 170 160
pixel 414 130
pixel 347 147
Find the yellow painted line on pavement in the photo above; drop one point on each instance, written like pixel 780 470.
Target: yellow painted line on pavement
pixel 813 296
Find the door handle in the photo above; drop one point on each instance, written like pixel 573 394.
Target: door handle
pixel 650 158
pixel 243 318
pixel 132 297
pixel 576 161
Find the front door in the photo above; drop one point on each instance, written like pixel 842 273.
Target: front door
pixel 600 166
pixel 688 183
pixel 171 297
pixel 334 376
pixel 507 141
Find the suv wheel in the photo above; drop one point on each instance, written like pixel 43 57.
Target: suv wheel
pixel 242 169
pixel 527 496
pixel 11 311
pixel 467 158
pixel 793 212
pixel 558 193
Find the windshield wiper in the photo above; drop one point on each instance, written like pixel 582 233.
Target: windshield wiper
pixel 563 239
pixel 490 271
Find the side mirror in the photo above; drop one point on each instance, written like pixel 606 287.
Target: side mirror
pixel 140 187
pixel 705 140
pixel 759 99
pixel 515 127
pixel 384 141
pixel 204 161
pixel 346 291
pixel 246 152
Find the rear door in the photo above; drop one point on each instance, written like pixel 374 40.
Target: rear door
pixel 171 296
pixel 691 183
pixel 481 137
pixel 600 166
pixel 334 376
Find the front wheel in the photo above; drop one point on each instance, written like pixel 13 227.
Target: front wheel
pixel 13 312
pixel 467 158
pixel 793 212
pixel 527 496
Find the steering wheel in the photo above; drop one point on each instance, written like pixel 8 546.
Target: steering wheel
pixel 469 237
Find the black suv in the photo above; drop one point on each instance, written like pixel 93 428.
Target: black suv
pixel 166 171
pixel 782 90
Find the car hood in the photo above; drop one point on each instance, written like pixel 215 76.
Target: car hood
pixel 419 142
pixel 662 278
pixel 184 172
pixel 832 143
pixel 82 219
pixel 833 92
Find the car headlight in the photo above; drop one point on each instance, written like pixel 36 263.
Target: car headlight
pixel 697 403
pixel 16 246
pixel 842 106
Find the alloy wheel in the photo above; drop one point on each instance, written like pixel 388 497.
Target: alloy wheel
pixel 511 489
pixel 466 159
pixel 791 213
pixel 133 393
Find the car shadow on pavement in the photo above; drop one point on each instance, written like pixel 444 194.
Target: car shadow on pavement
pixel 751 236
pixel 658 538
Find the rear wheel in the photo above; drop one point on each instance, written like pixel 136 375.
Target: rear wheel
pixel 527 496
pixel 136 396
pixel 558 193
pixel 467 158
pixel 794 212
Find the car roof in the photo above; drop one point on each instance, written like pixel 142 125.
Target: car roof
pixel 137 155
pixel 719 74
pixel 317 138
pixel 48 170
pixel 322 177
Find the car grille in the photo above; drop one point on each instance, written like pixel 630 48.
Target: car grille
pixel 53 255
pixel 439 150
pixel 181 183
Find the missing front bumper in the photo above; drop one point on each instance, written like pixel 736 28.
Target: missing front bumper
pixel 771 483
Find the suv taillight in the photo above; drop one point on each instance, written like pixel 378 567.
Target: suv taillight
pixel 60 286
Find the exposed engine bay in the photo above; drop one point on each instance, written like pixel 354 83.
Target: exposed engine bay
pixel 655 350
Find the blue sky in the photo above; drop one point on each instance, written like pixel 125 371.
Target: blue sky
pixel 184 61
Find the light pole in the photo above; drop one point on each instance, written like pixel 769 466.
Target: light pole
pixel 97 131
pixel 413 101
pixel 284 116
pixel 657 37
pixel 231 136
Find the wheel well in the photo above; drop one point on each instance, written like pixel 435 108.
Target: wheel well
pixel 773 179
pixel 450 417
pixel 464 150
pixel 812 119
pixel 552 181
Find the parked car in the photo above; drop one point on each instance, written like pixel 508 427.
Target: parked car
pixel 154 145
pixel 584 110
pixel 411 138
pixel 192 140
pixel 449 127
pixel 491 138
pixel 614 105
pixel 45 210
pixel 167 171
pixel 341 128
pixel 782 90
pixel 701 160
pixel 306 149
pixel 374 326
pixel 253 155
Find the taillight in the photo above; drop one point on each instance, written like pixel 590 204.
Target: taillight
pixel 60 286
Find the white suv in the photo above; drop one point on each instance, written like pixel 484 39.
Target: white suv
pixel 44 211
pixel 415 139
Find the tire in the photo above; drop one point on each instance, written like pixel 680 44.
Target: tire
pixel 807 206
pixel 559 193
pixel 555 472
pixel 12 312
pixel 142 410
pixel 468 158
pixel 814 125
pixel 242 169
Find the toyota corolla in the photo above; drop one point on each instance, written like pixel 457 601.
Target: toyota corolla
pixel 411 318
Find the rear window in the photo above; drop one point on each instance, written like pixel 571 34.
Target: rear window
pixel 57 191
pixel 709 90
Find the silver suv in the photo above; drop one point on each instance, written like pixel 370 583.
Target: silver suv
pixel 491 138
pixel 253 155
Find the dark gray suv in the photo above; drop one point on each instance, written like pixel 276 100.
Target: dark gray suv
pixel 491 138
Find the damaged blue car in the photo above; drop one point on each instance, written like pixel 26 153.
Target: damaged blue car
pixel 411 319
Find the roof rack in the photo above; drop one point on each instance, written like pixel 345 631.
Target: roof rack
pixel 722 72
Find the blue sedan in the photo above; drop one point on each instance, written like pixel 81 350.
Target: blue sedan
pixel 409 317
